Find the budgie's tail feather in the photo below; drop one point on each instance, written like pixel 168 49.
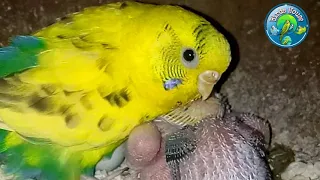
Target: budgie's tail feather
pixel 26 160
pixel 20 55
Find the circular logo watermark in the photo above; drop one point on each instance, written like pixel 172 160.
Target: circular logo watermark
pixel 286 25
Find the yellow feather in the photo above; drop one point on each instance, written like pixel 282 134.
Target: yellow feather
pixel 102 75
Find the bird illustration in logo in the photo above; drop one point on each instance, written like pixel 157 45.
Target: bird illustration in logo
pixel 286 40
pixel 301 30
pixel 285 29
pixel 291 27
pixel 274 31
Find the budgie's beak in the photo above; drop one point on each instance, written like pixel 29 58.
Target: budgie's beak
pixel 206 81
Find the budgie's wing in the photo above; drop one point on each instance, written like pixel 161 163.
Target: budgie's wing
pixel 70 93
pixel 63 99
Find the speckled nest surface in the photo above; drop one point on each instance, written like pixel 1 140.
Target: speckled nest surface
pixel 282 85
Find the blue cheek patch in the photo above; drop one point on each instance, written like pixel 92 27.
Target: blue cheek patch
pixel 171 83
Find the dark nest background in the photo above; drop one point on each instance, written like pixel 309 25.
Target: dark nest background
pixel 282 85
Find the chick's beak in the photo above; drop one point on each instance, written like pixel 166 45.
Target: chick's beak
pixel 206 81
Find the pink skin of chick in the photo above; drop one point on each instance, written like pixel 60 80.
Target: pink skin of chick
pixel 230 147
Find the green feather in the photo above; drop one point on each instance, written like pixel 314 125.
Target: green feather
pixel 47 167
pixel 20 55
pixel 15 160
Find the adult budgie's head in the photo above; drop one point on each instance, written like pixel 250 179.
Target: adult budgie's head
pixel 184 52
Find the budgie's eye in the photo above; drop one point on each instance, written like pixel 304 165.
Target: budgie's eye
pixel 189 58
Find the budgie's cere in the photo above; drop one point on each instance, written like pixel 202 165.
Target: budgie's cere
pixel 229 147
pixel 98 74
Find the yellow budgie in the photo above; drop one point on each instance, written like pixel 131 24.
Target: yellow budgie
pixel 73 91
